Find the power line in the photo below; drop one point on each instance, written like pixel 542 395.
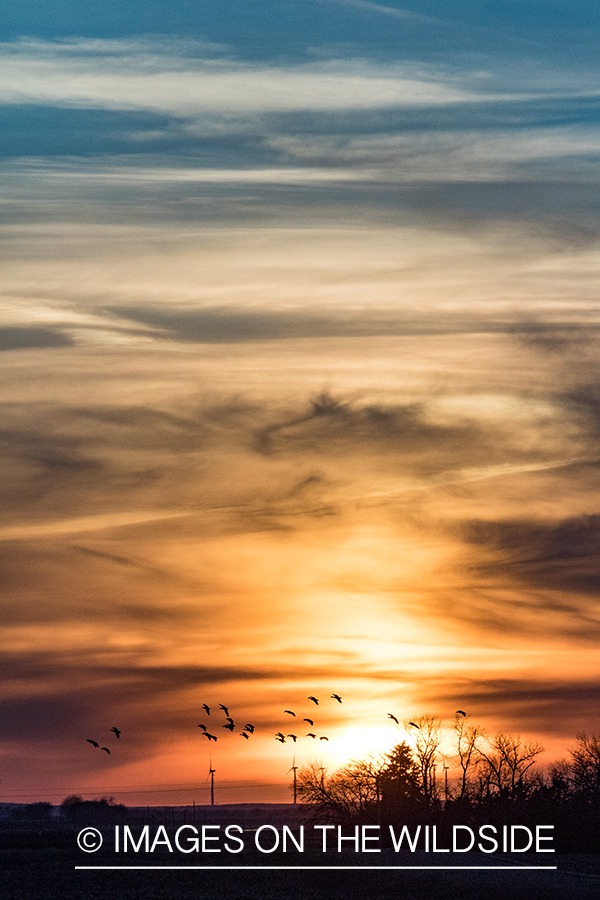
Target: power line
pixel 224 785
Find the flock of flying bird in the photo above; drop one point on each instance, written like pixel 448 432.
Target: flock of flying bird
pixel 249 728
pixel 459 712
pixel 97 745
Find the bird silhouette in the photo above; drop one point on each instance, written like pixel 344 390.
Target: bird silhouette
pixel 244 735
pixel 294 737
pixel 229 719
pixel 390 716
pixel 278 734
pixel 211 737
pixel 224 708
pixel 249 727
pixel 230 726
pixel 310 721
pixel 323 738
pixel 203 727
pixel 207 708
pixel 336 697
pixel 314 700
pixel 105 748
pixel 281 739
pixel 414 725
pixel 116 731
pixel 460 712
pixel 312 735
pixel 289 712
pixel 95 743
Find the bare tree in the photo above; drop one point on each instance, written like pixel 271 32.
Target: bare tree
pixel 468 739
pixel 425 732
pixel 560 779
pixel 355 791
pixel 348 794
pixel 584 766
pixel 507 765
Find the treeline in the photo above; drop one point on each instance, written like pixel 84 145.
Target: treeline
pixel 481 779
pixel 77 811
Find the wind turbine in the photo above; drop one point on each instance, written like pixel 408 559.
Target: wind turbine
pixel 294 769
pixel 211 773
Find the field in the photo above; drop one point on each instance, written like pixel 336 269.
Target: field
pixel 38 862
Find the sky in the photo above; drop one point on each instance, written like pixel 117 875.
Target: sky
pixel 299 347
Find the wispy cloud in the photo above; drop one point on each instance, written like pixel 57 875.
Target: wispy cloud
pixel 393 11
pixel 446 155
pixel 168 78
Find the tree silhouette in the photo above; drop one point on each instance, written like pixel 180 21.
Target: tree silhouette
pixel 468 739
pixel 354 791
pixel 425 732
pixel 583 769
pixel 507 766
pixel 400 782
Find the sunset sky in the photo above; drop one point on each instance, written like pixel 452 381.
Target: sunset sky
pixel 300 383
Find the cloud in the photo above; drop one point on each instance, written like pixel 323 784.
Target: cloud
pixel 76 75
pixel 445 155
pixel 33 337
pixel 228 324
pixel 331 428
pixel 552 705
pixel 551 555
pixel 582 402
pixel 183 80
pixel 551 337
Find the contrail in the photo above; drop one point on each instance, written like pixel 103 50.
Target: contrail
pixel 409 16
pixel 498 471
pixel 390 11
pixel 84 523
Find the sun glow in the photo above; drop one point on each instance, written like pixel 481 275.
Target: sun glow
pixel 359 741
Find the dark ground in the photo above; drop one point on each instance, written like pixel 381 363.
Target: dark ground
pixel 37 862
pixel 50 874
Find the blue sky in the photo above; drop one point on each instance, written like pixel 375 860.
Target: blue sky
pixel 338 65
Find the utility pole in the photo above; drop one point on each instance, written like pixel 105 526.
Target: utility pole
pixel 294 770
pixel 212 786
